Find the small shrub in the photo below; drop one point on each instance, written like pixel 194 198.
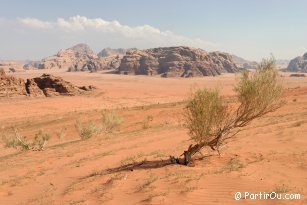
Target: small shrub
pixel 110 121
pixel 40 140
pixel 87 130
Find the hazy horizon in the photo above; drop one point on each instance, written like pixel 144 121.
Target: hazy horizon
pixel 32 30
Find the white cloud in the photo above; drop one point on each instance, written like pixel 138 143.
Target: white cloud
pixel 35 23
pixel 32 38
pixel 87 25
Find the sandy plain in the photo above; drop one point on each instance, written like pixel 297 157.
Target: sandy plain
pixel 270 155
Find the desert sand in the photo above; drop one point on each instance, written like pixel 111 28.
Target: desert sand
pixel 270 155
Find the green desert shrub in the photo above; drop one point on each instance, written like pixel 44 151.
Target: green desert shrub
pixel 210 120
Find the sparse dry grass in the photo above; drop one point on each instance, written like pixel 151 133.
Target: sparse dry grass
pixel 88 129
pixel 18 141
pixel 281 188
pixel 147 183
pixel 110 121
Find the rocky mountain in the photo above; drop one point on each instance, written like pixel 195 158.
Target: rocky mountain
pixel 77 58
pixel 106 52
pixel 45 86
pixel 176 62
pixel 298 64
pixel 74 58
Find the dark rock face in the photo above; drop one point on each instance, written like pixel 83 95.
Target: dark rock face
pixel 298 64
pixel 176 62
pixel 45 86
pixel 33 90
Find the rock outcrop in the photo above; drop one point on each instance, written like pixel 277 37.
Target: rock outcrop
pixel 176 62
pixel 52 85
pixel 45 86
pixel 32 89
pixel 298 64
pixel 11 86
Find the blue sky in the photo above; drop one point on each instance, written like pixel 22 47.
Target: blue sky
pixel 252 29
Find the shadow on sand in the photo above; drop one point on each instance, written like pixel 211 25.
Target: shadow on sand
pixel 143 165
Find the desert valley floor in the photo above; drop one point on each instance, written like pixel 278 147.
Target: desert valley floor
pixel 269 155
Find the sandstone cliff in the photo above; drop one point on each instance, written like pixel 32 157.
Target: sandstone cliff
pixel 176 62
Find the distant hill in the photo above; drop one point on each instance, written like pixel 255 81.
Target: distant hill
pixel 245 64
pixel 298 64
pixel 11 66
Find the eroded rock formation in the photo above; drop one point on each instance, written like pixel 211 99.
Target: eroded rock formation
pixel 45 86
pixel 176 62
pixel 11 86
pixel 51 85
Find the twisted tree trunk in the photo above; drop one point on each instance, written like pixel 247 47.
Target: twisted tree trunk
pixel 193 149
